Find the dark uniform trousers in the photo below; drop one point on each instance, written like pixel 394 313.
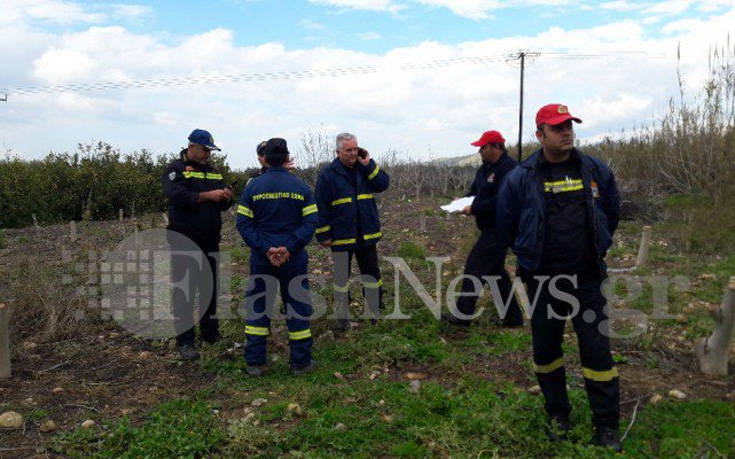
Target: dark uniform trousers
pixel 191 274
pixel 487 258
pixel 367 262
pixel 600 375
pixel 265 280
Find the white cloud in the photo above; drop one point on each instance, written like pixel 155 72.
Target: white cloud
pixel 619 5
pixel 670 7
pixel 67 12
pixel 58 66
pixel 124 11
pixel 369 5
pixel 482 9
pixel 652 19
pixel 406 110
pixel 683 25
pixel 470 9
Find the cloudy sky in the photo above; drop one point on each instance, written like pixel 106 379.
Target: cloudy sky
pixel 421 77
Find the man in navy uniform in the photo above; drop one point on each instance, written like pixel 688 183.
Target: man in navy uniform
pixel 487 257
pixel 558 210
pixel 196 195
pixel 276 218
pixel 349 222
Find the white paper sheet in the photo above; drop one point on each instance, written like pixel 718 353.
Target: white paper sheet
pixel 458 204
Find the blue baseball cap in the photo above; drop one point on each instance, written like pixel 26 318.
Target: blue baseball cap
pixel 203 138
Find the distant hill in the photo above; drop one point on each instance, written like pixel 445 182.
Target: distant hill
pixel 467 160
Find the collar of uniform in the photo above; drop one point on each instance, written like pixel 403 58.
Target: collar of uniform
pixel 276 169
pixel 338 167
pixel 197 166
pixel 500 159
pixel 538 158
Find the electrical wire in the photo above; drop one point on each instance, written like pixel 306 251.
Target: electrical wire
pixel 165 82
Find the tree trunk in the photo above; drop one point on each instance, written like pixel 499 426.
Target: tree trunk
pixel 713 352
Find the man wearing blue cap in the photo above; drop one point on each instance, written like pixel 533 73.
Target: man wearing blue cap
pixel 196 195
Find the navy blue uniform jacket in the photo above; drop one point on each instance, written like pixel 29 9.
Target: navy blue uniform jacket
pixel 182 182
pixel 339 202
pixel 484 205
pixel 521 209
pixel 276 209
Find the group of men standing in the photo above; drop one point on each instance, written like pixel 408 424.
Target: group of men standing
pixel 557 211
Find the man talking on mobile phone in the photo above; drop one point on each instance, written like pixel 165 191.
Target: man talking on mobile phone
pixel 349 223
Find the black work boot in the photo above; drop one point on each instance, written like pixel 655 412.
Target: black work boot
pixel 608 437
pixel 451 319
pixel 311 366
pixel 557 428
pixel 188 352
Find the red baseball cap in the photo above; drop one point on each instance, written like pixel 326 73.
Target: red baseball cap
pixel 489 137
pixel 554 114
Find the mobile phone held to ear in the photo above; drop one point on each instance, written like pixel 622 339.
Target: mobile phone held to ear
pixel 361 152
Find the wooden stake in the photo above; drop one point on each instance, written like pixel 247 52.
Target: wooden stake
pixel 643 249
pixel 713 352
pixel 4 343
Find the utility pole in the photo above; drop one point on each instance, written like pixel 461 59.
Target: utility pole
pixel 522 56
pixel 520 110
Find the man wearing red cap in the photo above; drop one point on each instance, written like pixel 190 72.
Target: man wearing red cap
pixel 486 261
pixel 558 210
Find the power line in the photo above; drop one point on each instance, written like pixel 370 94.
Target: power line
pixel 164 82
pixel 248 77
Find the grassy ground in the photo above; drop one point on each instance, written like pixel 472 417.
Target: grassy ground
pixel 410 387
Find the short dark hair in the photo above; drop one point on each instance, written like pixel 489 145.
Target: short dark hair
pixel 260 149
pixel 275 151
pixel 501 145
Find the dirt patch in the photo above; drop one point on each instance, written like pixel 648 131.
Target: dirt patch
pixel 99 378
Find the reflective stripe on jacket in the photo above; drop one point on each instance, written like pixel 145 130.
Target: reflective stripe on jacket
pixel 520 215
pixel 339 204
pixel 276 209
pixel 182 181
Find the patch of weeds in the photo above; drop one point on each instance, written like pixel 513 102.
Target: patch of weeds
pixel 247 438
pixel 683 429
pixel 503 342
pixel 2 238
pixel 236 284
pixel 179 428
pixel 240 254
pixel 38 413
pixel 411 250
